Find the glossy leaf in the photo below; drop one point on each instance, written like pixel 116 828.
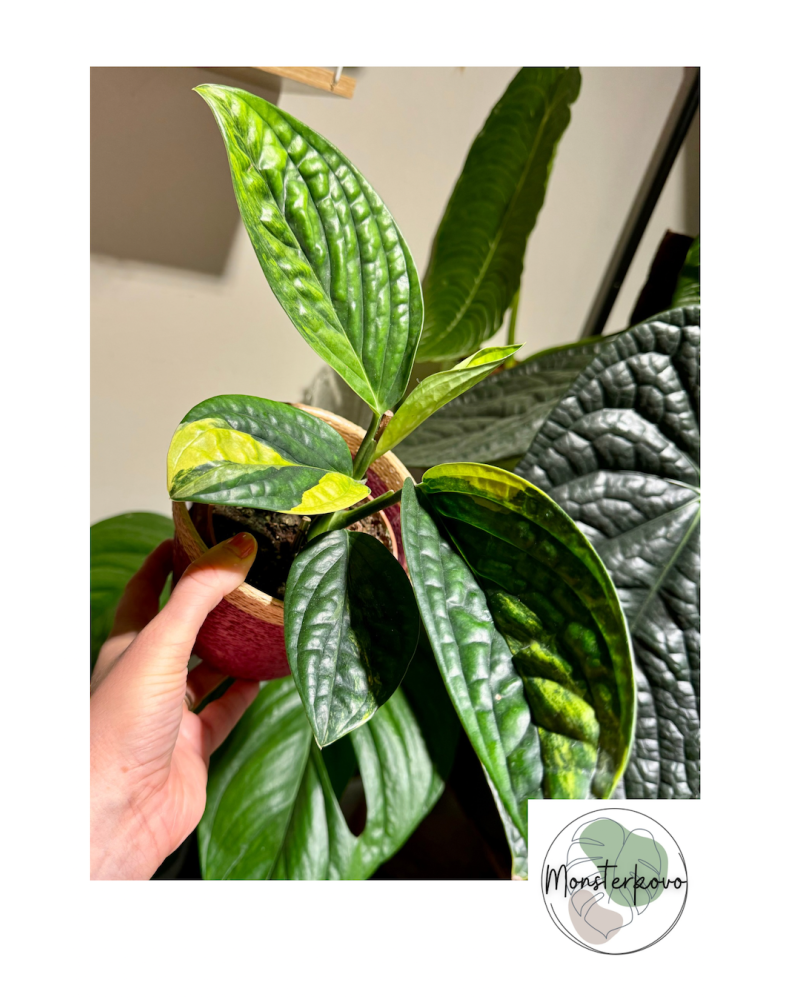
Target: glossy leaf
pixel 119 546
pixel 273 810
pixel 251 452
pixel 515 838
pixel 620 453
pixel 437 390
pixel 552 599
pixel 687 291
pixel 474 660
pixel 499 418
pixel 351 629
pixel 328 246
pixel 479 248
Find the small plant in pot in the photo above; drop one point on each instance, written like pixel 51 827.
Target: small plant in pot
pixel 383 614
pixel 519 613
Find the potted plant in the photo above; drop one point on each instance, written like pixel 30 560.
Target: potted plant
pixel 470 597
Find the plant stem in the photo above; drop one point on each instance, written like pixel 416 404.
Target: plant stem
pixel 367 448
pixel 343 518
pixel 218 692
pixel 326 522
pixel 511 362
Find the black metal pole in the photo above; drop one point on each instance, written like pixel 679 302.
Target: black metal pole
pixel 675 131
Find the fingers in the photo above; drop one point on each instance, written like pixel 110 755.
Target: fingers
pixel 140 600
pixel 139 603
pixel 219 717
pixel 204 584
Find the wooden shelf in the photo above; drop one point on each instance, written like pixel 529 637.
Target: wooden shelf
pixel 314 76
pixel 318 77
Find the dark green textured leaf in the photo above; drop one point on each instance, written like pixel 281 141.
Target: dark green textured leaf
pixel 272 811
pixel 476 262
pixel 499 417
pixel 252 452
pixel 328 246
pixel 119 546
pixel 351 630
pixel 474 660
pixel 552 599
pixel 620 453
pixel 687 291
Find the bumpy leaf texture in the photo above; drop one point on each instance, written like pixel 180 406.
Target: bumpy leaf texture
pixel 621 454
pixel 528 634
pixel 252 452
pixel 477 258
pixel 476 665
pixel 352 626
pixel 327 244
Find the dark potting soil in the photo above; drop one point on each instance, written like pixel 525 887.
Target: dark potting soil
pixel 279 537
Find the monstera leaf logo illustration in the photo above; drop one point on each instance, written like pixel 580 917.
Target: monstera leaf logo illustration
pixel 615 881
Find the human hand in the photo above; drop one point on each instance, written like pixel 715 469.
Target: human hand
pixel 149 752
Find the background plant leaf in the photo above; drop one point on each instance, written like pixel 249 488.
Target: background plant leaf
pixel 351 630
pixel 273 806
pixel 620 453
pixel 439 389
pixel 498 419
pixel 687 291
pixel 119 546
pixel 328 246
pixel 477 258
pixel 253 452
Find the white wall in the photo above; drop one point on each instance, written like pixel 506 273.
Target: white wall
pixel 164 338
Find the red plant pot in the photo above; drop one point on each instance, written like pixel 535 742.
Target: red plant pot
pixel 243 636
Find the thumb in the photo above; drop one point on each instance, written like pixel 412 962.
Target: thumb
pixel 204 584
pixel 139 705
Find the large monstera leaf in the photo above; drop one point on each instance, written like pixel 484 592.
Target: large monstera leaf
pixel 527 631
pixel 273 806
pixel 119 546
pixel 477 258
pixel 620 453
pixel 351 630
pixel 252 452
pixel 328 246
pixel 497 419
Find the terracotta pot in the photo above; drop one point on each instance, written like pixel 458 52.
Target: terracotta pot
pixel 244 635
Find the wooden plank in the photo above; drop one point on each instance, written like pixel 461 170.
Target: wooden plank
pixel 314 76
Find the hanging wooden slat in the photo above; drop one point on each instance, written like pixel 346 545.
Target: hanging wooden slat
pixel 314 76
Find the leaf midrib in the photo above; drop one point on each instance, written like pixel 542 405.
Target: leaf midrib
pixel 506 219
pixel 657 586
pixel 254 165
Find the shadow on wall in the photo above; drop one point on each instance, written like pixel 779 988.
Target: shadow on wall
pixel 159 176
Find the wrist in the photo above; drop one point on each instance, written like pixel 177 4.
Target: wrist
pixel 121 843
pixel 116 834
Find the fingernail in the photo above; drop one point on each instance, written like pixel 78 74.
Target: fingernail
pixel 242 544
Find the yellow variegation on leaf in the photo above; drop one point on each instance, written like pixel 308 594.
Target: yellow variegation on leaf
pixel 292 462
